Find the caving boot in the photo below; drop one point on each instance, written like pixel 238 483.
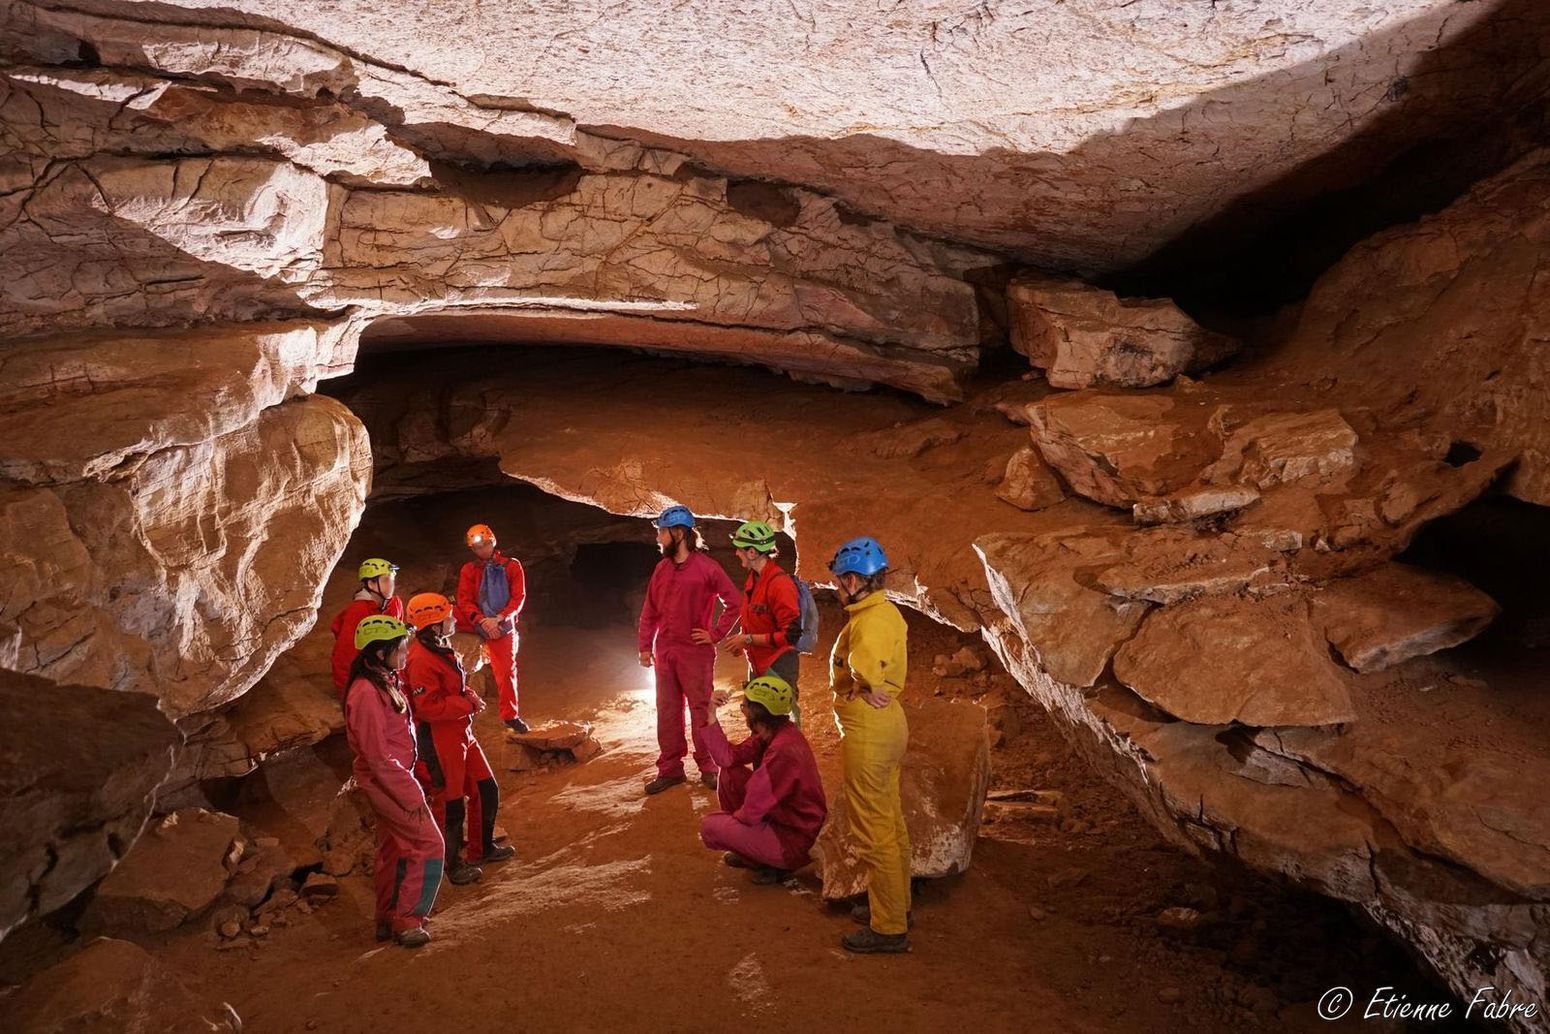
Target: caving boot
pixel 868 941
pixel 708 779
pixel 498 853
pixel 416 938
pixel 461 874
pixel 768 876
pixel 661 783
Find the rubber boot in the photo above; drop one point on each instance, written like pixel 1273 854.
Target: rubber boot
pixel 489 803
pixel 459 872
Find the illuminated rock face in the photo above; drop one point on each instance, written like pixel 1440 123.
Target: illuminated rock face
pixel 1080 136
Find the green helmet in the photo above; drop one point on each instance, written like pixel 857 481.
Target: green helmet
pixel 375 568
pixel 377 629
pixel 755 535
pixel 774 692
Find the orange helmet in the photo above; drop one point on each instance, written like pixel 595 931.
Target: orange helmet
pixel 427 608
pixel 479 533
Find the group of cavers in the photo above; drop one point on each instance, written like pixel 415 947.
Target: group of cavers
pixel 409 714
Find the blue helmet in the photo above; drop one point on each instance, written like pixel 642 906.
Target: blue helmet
pixel 675 517
pixel 863 556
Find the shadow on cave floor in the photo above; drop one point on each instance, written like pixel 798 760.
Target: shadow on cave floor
pixel 615 917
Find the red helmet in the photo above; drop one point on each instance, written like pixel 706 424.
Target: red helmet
pixel 478 534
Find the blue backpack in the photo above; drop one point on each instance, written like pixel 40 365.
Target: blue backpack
pixel 809 607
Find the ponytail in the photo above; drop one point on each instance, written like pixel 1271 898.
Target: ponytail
pixel 371 664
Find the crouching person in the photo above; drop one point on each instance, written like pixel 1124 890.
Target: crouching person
pixel 381 736
pixel 771 796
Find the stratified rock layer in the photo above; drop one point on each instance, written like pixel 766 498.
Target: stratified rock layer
pixel 968 123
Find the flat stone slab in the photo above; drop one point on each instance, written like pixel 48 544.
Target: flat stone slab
pixel 1389 615
pixel 1217 660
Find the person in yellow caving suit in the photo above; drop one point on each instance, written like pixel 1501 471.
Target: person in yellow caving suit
pixel 867 671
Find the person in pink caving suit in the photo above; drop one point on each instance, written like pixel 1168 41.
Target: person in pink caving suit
pixel 380 732
pixel 679 630
pixel 771 796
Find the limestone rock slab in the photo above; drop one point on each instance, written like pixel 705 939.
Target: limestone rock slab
pixel 1038 581
pixel 1389 615
pixel 1117 449
pixel 1218 660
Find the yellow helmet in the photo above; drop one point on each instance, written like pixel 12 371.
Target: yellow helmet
pixel 771 691
pixel 376 567
pixel 379 628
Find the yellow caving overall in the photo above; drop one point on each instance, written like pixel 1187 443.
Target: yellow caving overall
pixel 869 656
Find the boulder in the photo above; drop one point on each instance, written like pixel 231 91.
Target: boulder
pixel 77 406
pixel 172 874
pixel 81 771
pixel 1029 484
pixel 942 784
pixel 558 743
pixel 1120 449
pixel 1395 612
pixel 1275 448
pixel 1082 336
pixel 554 736
pixel 964 662
pixel 264 868
pixel 112 986
pixel 1217 660
pixel 186 573
pixel 911 441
